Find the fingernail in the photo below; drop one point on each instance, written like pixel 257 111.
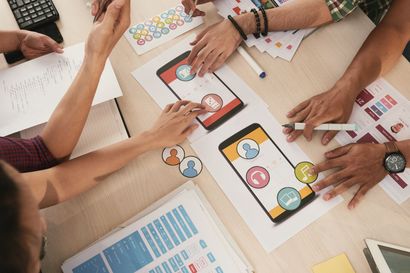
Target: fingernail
pixel 327 197
pixel 315 188
pixel 288 114
pixel 289 138
pixel 311 171
pixel 351 206
pixel 325 141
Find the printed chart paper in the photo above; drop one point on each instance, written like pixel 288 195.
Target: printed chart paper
pixel 31 91
pixel 269 234
pixel 161 28
pixel 382 114
pixel 194 88
pixel 179 236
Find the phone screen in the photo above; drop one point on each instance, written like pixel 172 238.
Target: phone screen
pixel 266 171
pixel 209 90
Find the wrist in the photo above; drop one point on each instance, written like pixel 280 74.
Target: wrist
pixel 20 36
pixel 94 62
pixel 348 87
pixel 404 148
pixel 148 139
pixel 247 22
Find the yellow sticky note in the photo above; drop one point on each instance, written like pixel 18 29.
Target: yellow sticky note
pixel 338 264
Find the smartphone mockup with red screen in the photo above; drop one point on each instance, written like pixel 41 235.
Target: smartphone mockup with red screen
pixel 221 102
pixel 267 173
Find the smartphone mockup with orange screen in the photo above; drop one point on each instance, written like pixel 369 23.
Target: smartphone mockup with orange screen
pixel 267 173
pixel 221 102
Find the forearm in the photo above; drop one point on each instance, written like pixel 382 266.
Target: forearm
pixel 404 148
pixel 294 15
pixel 380 51
pixel 65 125
pixel 76 176
pixel 10 40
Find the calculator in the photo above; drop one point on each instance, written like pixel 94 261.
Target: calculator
pixel 30 14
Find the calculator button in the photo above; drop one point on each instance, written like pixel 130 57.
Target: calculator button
pixel 40 18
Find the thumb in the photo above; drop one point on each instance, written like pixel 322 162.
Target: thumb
pixel 328 136
pixel 53 45
pixel 113 13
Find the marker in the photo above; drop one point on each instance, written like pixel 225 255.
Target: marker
pixel 251 62
pixel 192 11
pixel 324 127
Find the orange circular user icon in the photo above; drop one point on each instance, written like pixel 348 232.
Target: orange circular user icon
pixel 173 155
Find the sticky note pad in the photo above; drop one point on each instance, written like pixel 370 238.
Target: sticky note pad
pixel 338 264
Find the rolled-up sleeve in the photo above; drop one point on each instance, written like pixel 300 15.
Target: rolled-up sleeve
pixel 339 9
pixel 26 155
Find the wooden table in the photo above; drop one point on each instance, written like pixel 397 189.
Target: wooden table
pixel 319 62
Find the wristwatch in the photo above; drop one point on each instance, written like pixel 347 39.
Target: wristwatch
pixel 394 160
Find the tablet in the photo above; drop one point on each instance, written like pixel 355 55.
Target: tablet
pixel 220 101
pixel 387 258
pixel 266 171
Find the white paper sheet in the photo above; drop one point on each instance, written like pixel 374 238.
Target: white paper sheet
pixel 30 92
pixel 147 77
pixel 104 126
pixel 269 235
pixel 383 115
pixel 149 244
pixel 160 29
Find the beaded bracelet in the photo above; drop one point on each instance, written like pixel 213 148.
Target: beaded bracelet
pixel 265 21
pixel 238 28
pixel 257 34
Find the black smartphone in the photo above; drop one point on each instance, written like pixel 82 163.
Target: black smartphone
pixel 49 29
pixel 221 102
pixel 265 171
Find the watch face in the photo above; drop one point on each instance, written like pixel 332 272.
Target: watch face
pixel 395 163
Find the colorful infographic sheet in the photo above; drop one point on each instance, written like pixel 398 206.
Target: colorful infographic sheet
pixel 382 114
pixel 161 28
pixel 178 237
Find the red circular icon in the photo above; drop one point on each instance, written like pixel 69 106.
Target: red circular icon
pixel 257 177
pixel 212 102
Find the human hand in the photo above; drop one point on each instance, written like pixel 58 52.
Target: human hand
pixel 333 106
pixel 175 123
pixel 108 29
pixel 33 44
pixel 190 6
pixel 212 47
pixel 357 164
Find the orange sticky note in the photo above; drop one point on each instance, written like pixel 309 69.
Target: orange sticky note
pixel 338 264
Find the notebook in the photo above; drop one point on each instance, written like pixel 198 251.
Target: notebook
pixel 179 233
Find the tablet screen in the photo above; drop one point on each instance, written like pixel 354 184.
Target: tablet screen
pixel 397 260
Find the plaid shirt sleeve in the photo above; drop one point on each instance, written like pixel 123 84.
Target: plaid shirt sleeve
pixel 26 155
pixel 339 9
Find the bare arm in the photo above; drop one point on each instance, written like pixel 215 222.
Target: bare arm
pixel 73 177
pixel 9 40
pixel 73 109
pixel 404 147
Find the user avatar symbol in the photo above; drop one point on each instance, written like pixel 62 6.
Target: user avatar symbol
pixel 183 72
pixel 212 102
pixel 248 148
pixel 190 167
pixel 302 172
pixel 173 155
pixel 289 198
pixel 257 177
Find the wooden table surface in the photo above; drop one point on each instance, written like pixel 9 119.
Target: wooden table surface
pixel 319 62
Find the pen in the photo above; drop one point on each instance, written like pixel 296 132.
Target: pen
pixel 192 11
pixel 252 62
pixel 324 127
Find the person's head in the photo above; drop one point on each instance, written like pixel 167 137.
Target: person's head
pixel 191 164
pixel 397 127
pixel 246 147
pixel 173 152
pixel 21 226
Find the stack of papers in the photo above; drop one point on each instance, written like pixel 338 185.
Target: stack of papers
pixel 283 44
pixel 179 233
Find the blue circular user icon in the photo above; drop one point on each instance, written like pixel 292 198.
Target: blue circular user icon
pixel 183 73
pixel 289 198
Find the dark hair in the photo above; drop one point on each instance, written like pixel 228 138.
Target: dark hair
pixel 14 251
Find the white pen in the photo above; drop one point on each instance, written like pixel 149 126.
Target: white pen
pixel 192 11
pixel 324 127
pixel 252 62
